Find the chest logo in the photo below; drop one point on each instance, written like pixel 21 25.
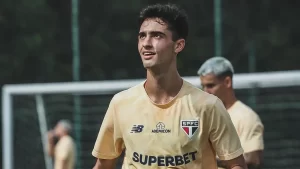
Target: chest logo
pixel 137 128
pixel 190 127
pixel 161 128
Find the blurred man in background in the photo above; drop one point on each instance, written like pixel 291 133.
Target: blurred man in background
pixel 216 78
pixel 63 151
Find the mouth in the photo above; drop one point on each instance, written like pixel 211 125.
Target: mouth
pixel 148 55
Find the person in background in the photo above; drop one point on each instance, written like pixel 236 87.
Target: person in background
pixel 63 151
pixel 216 78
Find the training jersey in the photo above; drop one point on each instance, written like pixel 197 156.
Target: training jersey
pixel 188 132
pixel 248 125
pixel 64 152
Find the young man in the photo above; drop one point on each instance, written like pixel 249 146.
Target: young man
pixel 216 78
pixel 64 151
pixel 165 121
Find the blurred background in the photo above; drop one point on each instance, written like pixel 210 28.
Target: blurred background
pixel 45 41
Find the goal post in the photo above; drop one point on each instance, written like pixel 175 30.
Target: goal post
pixel 241 81
pixel 40 108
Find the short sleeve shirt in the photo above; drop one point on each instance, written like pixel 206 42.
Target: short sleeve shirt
pixel 187 132
pixel 248 125
pixel 64 152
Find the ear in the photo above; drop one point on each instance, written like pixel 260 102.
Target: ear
pixel 228 82
pixel 179 45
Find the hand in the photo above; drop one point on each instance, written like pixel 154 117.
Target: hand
pixel 51 136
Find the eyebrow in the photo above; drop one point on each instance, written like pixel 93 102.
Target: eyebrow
pixel 208 84
pixel 151 32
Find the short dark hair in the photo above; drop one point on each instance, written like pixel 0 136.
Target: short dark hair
pixel 173 15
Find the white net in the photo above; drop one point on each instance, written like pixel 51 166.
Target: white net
pixel 275 96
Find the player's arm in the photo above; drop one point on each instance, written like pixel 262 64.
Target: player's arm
pixel 105 164
pixel 221 163
pixel 50 144
pixel 109 144
pixel 254 159
pixel 252 142
pixel 236 163
pixel 62 161
pixel 63 153
pixel 64 164
pixel 224 138
pixel 232 164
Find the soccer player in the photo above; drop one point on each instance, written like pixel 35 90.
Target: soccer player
pixel 64 150
pixel 216 78
pixel 165 122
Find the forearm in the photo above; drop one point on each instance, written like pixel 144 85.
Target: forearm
pixel 239 167
pixel 105 164
pixel 252 166
pixel 50 143
pixel 253 159
pixel 63 164
pixel 97 165
pixel 50 149
pixel 236 163
pixel 221 163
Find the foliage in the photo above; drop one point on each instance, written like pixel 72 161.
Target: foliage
pixel 36 38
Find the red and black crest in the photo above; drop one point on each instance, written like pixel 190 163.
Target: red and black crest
pixel 190 127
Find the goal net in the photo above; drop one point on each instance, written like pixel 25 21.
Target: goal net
pixel 29 110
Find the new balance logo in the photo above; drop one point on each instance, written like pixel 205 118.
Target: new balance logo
pixel 137 128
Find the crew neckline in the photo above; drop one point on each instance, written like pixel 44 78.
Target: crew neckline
pixel 165 105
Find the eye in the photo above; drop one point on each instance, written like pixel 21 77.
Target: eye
pixel 142 36
pixel 157 36
pixel 208 86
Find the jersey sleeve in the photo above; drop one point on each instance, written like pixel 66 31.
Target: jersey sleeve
pixel 222 133
pixel 63 150
pixel 109 142
pixel 251 134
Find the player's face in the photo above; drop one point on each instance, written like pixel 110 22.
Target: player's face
pixel 155 43
pixel 58 130
pixel 213 85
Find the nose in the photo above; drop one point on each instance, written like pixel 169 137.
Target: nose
pixel 147 42
pixel 206 90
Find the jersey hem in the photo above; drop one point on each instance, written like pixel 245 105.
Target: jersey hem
pixel 251 148
pixel 102 156
pixel 232 155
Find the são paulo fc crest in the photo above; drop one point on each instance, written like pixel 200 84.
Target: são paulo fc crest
pixel 190 127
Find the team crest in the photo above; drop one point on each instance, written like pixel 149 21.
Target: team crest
pixel 190 127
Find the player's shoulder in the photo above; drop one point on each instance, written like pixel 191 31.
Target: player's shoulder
pixel 199 98
pixel 129 94
pixel 246 112
pixel 66 140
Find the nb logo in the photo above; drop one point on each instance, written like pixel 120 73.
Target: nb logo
pixel 137 128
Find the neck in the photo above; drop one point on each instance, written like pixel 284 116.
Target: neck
pixel 163 86
pixel 230 100
pixel 62 135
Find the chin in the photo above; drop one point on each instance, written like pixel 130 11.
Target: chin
pixel 148 65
